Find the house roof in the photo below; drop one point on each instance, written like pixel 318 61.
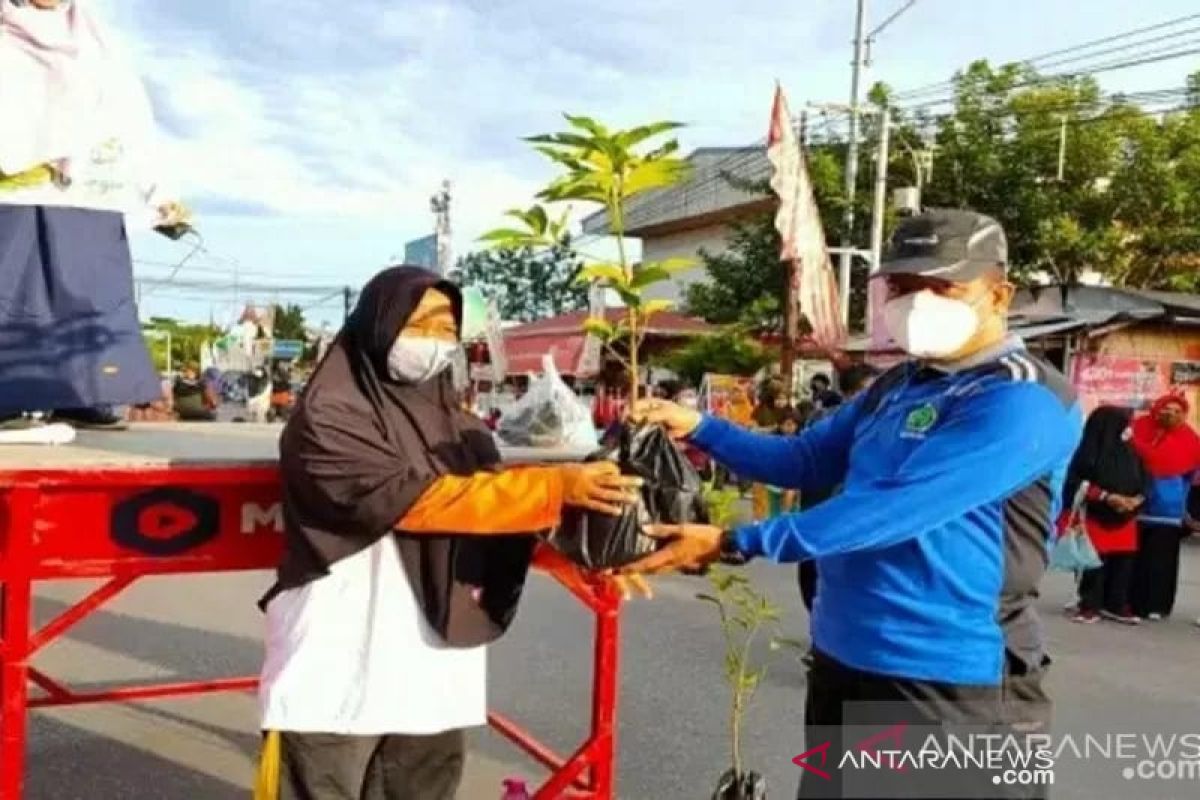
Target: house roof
pixel 705 195
pixel 1096 306
pixel 664 323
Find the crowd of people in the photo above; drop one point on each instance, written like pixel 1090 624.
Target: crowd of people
pixel 1131 488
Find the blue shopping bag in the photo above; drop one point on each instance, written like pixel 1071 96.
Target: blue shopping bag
pixel 1074 551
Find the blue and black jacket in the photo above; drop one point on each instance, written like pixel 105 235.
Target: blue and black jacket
pixel 931 554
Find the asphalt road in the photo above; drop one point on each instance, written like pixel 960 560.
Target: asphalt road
pixel 673 709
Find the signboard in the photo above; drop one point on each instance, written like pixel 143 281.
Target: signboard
pixel 287 349
pixel 1185 373
pixel 422 252
pixel 1120 381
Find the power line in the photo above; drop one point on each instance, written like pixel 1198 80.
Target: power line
pixel 1035 61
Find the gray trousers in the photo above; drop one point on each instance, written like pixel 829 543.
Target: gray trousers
pixel 319 766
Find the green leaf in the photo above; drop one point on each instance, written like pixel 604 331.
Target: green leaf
pixel 654 175
pixel 631 299
pixel 599 328
pixel 784 641
pixel 587 124
pixel 604 272
pixel 675 265
pixel 504 235
pixel 654 306
pixel 708 598
pixel 646 275
pixel 635 136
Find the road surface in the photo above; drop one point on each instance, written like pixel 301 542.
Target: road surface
pixel 673 740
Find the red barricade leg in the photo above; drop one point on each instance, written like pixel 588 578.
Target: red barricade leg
pixel 15 623
pixel 604 692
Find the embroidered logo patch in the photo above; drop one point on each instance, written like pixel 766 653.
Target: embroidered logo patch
pixel 921 420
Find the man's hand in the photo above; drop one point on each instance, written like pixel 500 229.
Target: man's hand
pixel 689 547
pixel 678 420
pixel 598 487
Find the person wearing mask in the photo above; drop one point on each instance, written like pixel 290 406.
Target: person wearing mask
pixel 1170 449
pixel 951 466
pixel 194 400
pixel 406 550
pixel 1113 482
pixel 854 380
pixel 77 154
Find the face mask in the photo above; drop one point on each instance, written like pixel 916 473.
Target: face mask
pixel 416 359
pixel 927 325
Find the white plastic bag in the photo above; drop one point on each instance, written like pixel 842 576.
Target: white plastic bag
pixel 549 415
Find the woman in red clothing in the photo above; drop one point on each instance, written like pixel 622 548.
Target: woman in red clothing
pixel 1109 470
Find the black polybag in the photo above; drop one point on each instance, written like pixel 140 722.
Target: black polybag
pixel 741 786
pixel 671 493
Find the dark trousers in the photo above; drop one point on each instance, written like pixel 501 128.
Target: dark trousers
pixel 807 575
pixel 318 766
pixel 846 707
pixel 1156 569
pixel 1106 588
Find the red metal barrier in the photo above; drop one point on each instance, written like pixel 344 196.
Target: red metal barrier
pixel 126 524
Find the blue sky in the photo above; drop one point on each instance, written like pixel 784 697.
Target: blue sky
pixel 308 135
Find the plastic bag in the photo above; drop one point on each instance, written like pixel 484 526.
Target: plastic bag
pixel 1074 552
pixel 671 493
pixel 741 786
pixel 549 415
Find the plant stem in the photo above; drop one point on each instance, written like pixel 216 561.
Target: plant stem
pixel 616 213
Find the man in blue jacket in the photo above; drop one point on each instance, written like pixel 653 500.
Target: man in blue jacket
pixel 950 466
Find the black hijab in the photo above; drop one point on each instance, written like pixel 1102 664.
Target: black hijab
pixel 1106 459
pixel 361 448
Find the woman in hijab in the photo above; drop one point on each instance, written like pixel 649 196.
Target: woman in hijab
pixel 407 548
pixel 76 152
pixel 1170 449
pixel 1114 483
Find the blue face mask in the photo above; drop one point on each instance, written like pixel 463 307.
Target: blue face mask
pixel 416 359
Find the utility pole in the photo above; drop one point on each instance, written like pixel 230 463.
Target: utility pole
pixel 879 207
pixel 440 205
pixel 345 303
pixel 860 19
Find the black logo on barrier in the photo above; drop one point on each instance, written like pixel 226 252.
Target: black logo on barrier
pixel 165 522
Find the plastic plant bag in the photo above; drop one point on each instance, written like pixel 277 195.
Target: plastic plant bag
pixel 549 415
pixel 671 493
pixel 741 786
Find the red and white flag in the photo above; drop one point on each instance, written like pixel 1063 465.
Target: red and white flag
pixel 799 224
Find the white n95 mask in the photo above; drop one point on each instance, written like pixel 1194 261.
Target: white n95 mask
pixel 927 325
pixel 416 359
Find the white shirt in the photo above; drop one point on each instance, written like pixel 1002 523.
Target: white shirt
pixel 351 653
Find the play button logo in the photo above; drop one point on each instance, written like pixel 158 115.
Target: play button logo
pixel 165 522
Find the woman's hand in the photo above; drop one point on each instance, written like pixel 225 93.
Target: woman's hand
pixel 598 487
pixel 678 420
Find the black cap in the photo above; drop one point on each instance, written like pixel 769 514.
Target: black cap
pixel 948 244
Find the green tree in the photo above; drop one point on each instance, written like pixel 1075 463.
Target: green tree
pixel 289 323
pixel 185 341
pixel 527 284
pixel 728 352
